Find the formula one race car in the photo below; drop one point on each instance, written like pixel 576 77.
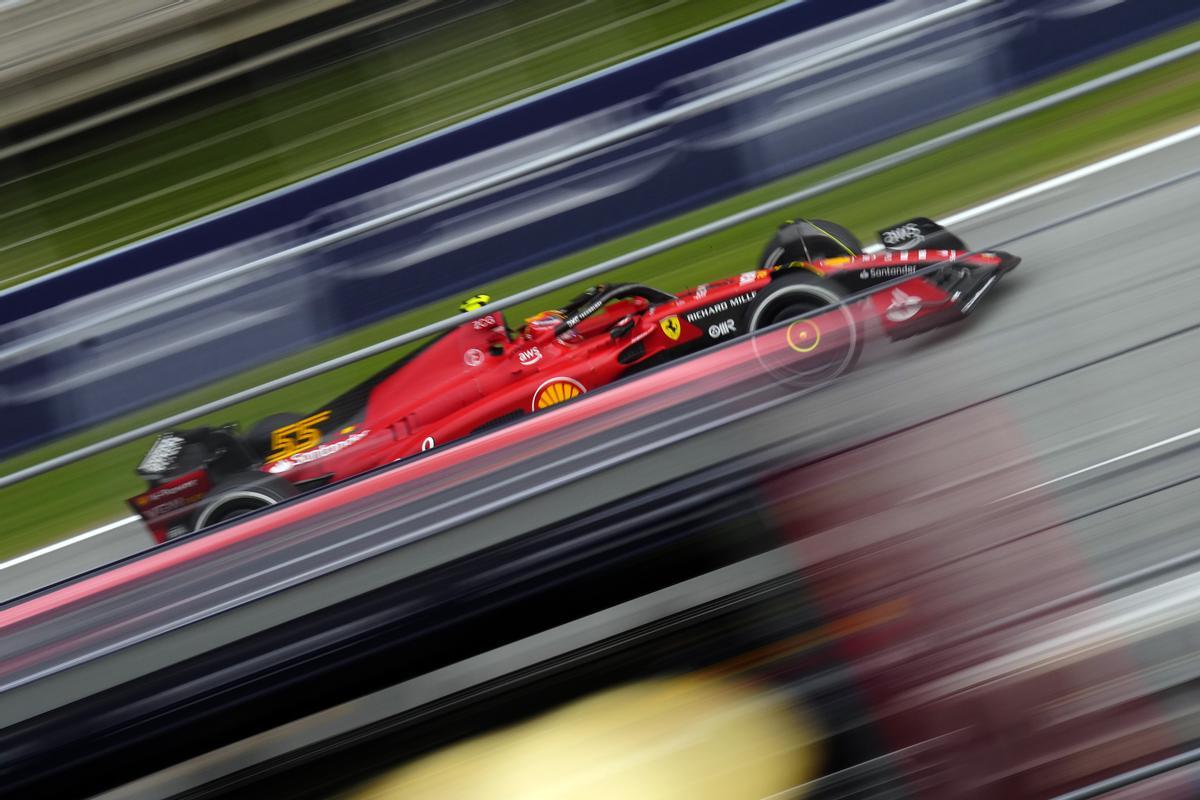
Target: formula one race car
pixel 482 374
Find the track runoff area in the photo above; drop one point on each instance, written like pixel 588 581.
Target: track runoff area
pixel 126 536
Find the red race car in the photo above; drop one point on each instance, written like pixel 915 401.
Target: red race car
pixel 482 374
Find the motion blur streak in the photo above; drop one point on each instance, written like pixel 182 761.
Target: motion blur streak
pixel 679 738
pixel 1170 440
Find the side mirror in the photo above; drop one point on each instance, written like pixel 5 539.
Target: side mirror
pixel 621 328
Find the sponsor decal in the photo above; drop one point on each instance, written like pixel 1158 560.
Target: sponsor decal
pixel 328 449
pixel 428 444
pixel 701 292
pixel 836 262
pixel 888 272
pixel 584 312
pixel 555 391
pixel 803 336
pixel 168 491
pixel 529 357
pixel 900 234
pixel 722 328
pixel 747 277
pixel 163 509
pixel 903 307
pixel 671 327
pixel 166 500
pixel 294 438
pixel 484 322
pixel 718 308
pixel 299 459
pixel 473 357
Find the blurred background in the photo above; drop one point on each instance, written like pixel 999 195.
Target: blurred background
pixel 961 569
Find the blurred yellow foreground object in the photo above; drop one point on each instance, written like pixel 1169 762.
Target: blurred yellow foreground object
pixel 664 739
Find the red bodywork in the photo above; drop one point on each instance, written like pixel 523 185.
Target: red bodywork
pixel 477 374
pixel 480 374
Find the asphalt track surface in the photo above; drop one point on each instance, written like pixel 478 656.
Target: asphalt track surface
pixel 1067 403
pixel 1143 252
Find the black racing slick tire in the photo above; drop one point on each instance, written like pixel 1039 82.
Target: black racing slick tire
pixel 807 240
pixel 824 337
pixel 253 492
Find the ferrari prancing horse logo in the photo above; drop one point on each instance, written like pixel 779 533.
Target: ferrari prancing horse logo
pixel 555 391
pixel 670 326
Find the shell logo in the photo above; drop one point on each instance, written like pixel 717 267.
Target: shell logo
pixel 555 391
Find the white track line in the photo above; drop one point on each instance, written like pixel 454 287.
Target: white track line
pixel 953 219
pixel 1071 177
pixel 1063 180
pixel 12 562
pixel 1179 437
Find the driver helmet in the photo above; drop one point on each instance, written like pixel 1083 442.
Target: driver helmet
pixel 545 321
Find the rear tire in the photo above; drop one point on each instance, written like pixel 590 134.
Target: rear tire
pixel 256 493
pixel 820 346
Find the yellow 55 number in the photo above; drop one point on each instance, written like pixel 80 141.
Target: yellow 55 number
pixel 297 437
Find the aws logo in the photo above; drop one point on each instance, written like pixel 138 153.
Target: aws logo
pixel 529 357
pixel 555 391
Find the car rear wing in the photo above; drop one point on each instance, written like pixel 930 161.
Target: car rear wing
pixel 181 468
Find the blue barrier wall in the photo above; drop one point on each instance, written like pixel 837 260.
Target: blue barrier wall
pixel 73 363
pixel 555 107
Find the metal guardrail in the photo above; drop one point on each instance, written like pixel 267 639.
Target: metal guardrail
pixel 872 168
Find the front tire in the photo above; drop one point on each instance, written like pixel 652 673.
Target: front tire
pixel 809 239
pixel 820 345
